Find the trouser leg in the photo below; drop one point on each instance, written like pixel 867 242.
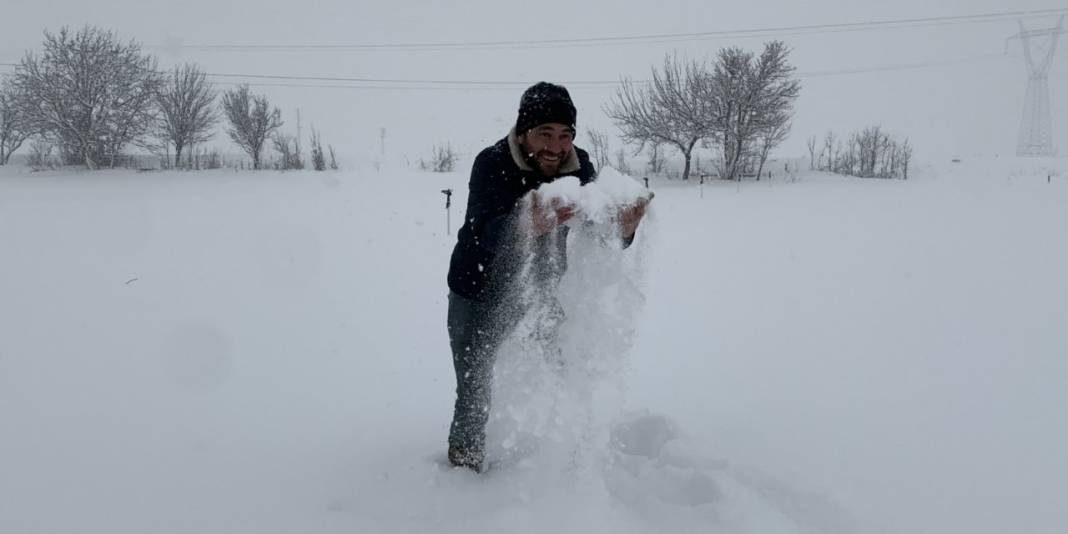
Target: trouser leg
pixel 475 334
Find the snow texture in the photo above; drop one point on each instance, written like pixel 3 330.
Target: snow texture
pixel 266 352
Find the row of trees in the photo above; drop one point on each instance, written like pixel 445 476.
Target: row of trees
pixel 869 153
pixel 91 96
pixel 741 106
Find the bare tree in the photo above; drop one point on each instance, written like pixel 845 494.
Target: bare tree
pixel 188 116
pixel 333 157
pixel 252 121
pixel 906 158
pixel 828 151
pixel 673 109
pixel 770 138
pixel 869 153
pixel 656 159
pixel 288 147
pixel 599 147
pixel 41 153
pixel 811 143
pixel 443 159
pixel 13 129
pixel 88 90
pixel 752 96
pixel 317 156
pixel 621 161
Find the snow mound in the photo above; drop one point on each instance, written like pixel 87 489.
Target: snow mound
pixel 598 200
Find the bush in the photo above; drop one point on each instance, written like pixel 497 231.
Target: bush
pixel 443 160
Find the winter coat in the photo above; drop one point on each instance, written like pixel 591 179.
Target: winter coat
pixel 486 256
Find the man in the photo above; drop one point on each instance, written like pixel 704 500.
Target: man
pixel 503 228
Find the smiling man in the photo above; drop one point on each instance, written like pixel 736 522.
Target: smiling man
pixel 506 225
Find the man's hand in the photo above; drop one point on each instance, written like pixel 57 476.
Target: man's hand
pixel 545 218
pixel 629 216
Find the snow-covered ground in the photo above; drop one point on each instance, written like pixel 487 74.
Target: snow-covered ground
pixel 266 352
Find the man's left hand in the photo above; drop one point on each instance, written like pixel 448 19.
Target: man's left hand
pixel 629 216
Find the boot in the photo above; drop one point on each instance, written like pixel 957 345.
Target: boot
pixel 461 457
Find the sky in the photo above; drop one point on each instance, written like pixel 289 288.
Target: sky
pixel 960 94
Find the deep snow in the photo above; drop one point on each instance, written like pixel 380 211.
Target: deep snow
pixel 266 352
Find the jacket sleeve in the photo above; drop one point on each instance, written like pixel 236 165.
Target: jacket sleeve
pixel 489 204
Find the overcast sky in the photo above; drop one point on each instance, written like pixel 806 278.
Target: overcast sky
pixel 960 95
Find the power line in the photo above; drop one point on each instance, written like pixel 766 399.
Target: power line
pixel 447 85
pixel 589 84
pixel 637 39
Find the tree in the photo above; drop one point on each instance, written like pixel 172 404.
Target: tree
pixel 318 158
pixel 13 130
pixel 770 138
pixel 186 101
pixel 288 146
pixel 811 144
pixel 906 158
pixel 252 121
pixel 598 147
pixel 673 109
pixel 752 99
pixel 89 91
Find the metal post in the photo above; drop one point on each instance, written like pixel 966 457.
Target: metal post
pixel 448 213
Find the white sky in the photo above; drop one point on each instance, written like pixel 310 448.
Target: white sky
pixel 970 102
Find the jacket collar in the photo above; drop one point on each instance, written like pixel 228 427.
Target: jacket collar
pixel 570 164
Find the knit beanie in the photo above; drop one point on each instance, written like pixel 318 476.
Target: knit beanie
pixel 544 102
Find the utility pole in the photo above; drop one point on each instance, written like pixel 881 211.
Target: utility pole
pixel 1036 131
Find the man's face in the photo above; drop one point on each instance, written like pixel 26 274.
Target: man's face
pixel 547 145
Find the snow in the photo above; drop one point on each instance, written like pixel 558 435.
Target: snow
pixel 266 352
pixel 599 200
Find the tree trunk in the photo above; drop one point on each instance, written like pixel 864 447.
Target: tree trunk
pixel 87 151
pixel 760 168
pixel 178 155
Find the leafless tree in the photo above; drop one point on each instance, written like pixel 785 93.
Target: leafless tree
pixel 673 109
pixel 41 157
pixel 906 158
pixel 186 101
pixel 621 161
pixel 828 151
pixel 811 143
pixel 771 137
pixel 656 159
pixel 599 147
pixel 443 159
pixel 288 147
pixel 317 156
pixel 752 97
pixel 871 153
pixel 333 157
pixel 13 129
pixel 252 121
pixel 89 91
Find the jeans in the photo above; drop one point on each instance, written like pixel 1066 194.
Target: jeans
pixel 476 331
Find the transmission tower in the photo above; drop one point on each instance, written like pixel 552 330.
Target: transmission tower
pixel 1036 131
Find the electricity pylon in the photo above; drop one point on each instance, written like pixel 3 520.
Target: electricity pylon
pixel 1036 129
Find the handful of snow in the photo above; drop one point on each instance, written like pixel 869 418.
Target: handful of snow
pixel 597 201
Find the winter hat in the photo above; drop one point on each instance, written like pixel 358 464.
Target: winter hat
pixel 544 102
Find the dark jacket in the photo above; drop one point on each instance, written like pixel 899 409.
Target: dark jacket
pixel 486 257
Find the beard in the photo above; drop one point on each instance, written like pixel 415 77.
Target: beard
pixel 547 162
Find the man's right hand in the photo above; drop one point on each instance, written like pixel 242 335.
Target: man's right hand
pixel 545 218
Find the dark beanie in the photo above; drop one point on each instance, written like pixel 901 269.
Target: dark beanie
pixel 544 102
